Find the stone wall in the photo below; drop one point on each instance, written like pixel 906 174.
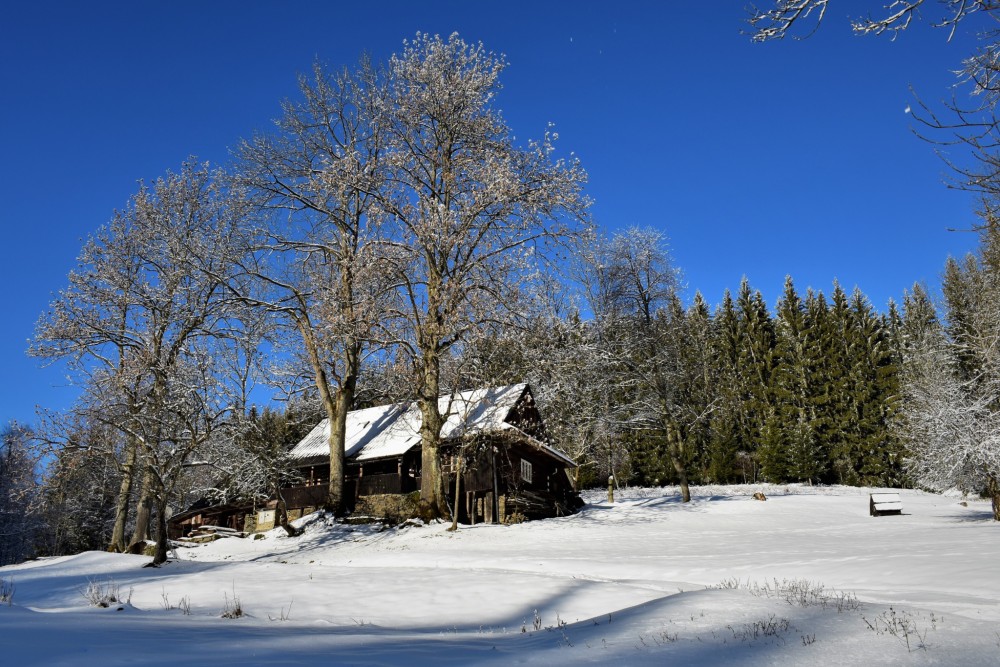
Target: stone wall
pixel 389 507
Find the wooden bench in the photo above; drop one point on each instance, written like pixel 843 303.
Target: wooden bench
pixel 880 504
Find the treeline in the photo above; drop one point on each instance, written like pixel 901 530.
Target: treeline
pixel 652 391
pixel 823 389
pixel 809 393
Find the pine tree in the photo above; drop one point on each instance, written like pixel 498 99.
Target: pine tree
pixel 961 286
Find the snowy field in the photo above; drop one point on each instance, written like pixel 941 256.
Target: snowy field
pixel 806 577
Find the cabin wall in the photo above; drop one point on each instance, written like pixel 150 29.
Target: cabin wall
pixel 526 417
pixel 504 479
pixel 535 485
pixel 224 516
pixel 507 480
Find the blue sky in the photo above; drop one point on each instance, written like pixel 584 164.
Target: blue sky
pixel 758 160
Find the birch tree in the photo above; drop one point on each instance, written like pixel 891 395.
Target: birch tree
pixel 472 213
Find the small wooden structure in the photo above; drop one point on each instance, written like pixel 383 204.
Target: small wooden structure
pixel 493 438
pixel 881 504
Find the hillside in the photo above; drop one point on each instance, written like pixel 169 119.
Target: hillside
pixel 806 577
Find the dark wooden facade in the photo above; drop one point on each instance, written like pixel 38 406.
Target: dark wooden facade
pixel 507 475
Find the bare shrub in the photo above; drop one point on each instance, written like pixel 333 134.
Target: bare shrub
pixel 773 626
pixel 900 625
pixel 7 592
pixel 104 594
pixel 797 592
pixel 232 607
pixel 184 605
pixel 285 614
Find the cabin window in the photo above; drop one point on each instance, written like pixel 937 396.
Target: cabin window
pixel 526 470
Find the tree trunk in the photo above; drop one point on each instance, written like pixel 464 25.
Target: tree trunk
pixel 458 490
pixel 144 511
pixel 993 486
pixel 682 474
pixel 336 406
pixel 281 515
pixel 117 544
pixel 433 504
pixel 675 449
pixel 343 402
pixel 160 555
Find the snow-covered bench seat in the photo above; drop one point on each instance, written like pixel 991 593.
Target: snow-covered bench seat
pixel 880 504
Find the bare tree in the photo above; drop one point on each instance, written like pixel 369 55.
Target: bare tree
pixel 80 483
pixel 472 213
pixel 634 291
pixel 314 264
pixel 19 494
pixel 572 377
pixel 250 461
pixel 952 377
pixel 793 17
pixel 952 426
pixel 969 121
pixel 143 322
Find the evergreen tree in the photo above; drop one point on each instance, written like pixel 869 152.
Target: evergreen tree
pixel 754 367
pixel 961 287
pixel 840 412
pixel 919 320
pixel 875 453
pixel 795 455
pixel 826 345
pixel 80 492
pixel 699 369
pixel 725 444
pixel 19 492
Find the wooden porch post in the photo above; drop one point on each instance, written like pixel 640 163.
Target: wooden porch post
pixel 494 497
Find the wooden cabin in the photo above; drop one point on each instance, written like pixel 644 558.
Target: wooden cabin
pixel 494 436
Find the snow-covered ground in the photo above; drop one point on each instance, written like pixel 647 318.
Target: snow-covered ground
pixel 806 577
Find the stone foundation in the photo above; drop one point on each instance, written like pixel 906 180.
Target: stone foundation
pixel 388 507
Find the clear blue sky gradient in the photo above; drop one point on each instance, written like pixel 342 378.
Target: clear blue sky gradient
pixel 758 160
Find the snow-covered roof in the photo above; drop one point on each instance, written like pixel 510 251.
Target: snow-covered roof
pixel 392 430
